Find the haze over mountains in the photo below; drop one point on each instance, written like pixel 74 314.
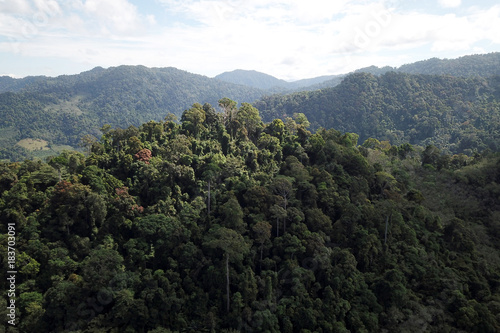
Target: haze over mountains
pixel 474 65
pixel 61 110
pixel 264 81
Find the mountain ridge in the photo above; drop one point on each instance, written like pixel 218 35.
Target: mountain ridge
pixel 253 78
pixel 477 64
pixel 460 115
pixel 469 65
pixel 60 110
pixel 63 109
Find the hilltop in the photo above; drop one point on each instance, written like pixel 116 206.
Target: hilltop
pixel 59 111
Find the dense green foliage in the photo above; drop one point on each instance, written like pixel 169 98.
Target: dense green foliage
pixel 63 109
pixel 484 65
pixel 458 115
pixel 473 65
pixel 9 84
pixel 224 223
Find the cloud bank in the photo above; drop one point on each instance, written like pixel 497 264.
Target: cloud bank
pixel 289 39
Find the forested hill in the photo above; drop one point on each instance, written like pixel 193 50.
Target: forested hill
pixel 252 78
pixel 8 83
pixel 456 114
pixel 63 109
pixel 484 65
pixel 41 116
pixel 271 84
pixel 473 65
pixel 225 224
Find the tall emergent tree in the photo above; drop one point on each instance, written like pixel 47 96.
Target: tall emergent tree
pixel 230 112
pixel 233 245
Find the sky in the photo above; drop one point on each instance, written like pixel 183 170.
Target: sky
pixel 289 39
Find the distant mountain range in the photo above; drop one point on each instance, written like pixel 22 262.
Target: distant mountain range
pixel 60 110
pixel 8 83
pixel 473 65
pixel 264 81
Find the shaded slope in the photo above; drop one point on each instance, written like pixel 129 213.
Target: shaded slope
pixel 456 114
pixel 64 108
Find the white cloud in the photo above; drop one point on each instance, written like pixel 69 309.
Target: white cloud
pixel 16 7
pixel 115 16
pixel 487 23
pixel 448 32
pixel 22 19
pixel 450 3
pixel 288 39
pixel 266 32
pixel 47 7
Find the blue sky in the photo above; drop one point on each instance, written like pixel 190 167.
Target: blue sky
pixel 290 39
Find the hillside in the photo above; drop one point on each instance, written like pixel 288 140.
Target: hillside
pixel 473 65
pixel 273 85
pixel 8 83
pixel 252 79
pixel 319 82
pixel 62 110
pixel 448 111
pixel 459 115
pixel 240 226
pixel 484 65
